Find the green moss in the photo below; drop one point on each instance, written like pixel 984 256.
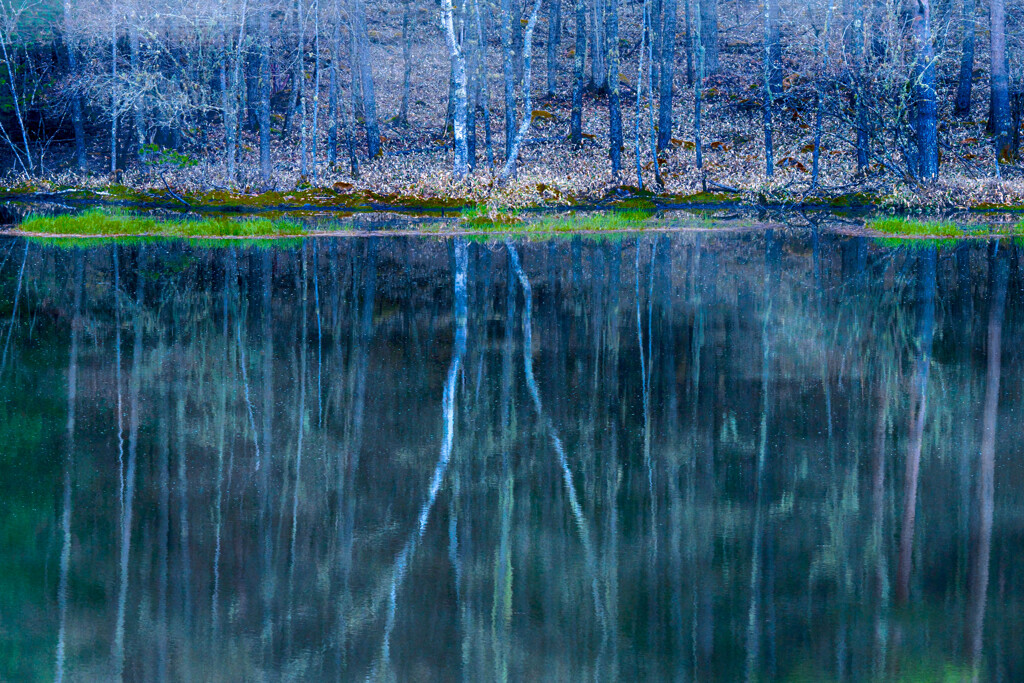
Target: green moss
pixel 95 223
pixel 898 226
pixel 851 200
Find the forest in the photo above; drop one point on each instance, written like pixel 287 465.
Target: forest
pixel 518 102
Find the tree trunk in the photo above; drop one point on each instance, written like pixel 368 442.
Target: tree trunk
pixel 366 85
pixel 403 110
pixel 698 93
pixel 962 106
pixel 771 76
pixel 458 60
pixel 599 47
pixel 137 117
pixel 472 48
pixel 264 106
pixel 300 77
pixel 113 93
pixel 316 88
pixel 926 128
pixel 77 122
pixel 709 33
pixel 333 86
pixel 1000 80
pixel 484 80
pixel 820 96
pixel 554 34
pixel 578 68
pixel 524 127
pixel 508 74
pixel 860 56
pixel 668 60
pixel 689 44
pixel 614 106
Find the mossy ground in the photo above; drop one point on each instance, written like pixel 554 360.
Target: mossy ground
pixel 99 223
pixel 897 227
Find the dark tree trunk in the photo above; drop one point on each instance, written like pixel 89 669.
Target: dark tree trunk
pixel 709 34
pixel 668 59
pixel 689 44
pixel 333 88
pixel 459 105
pixel 862 124
pixel 578 68
pixel 1000 81
pixel 366 85
pixel 962 106
pixel 926 128
pixel 138 120
pixel 77 118
pixel 264 103
pixel 484 81
pixel 472 50
pixel 615 141
pixel 554 36
pixel 772 79
pixel 698 93
pixel 403 110
pixel 599 46
pixel 508 73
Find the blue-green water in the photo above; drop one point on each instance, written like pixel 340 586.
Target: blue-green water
pixel 771 455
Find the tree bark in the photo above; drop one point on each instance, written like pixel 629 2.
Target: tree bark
pixel 403 110
pixel 369 100
pixel 458 60
pixel 484 80
pixel 578 68
pixel 709 32
pixel 77 118
pixel 860 55
pixel 599 46
pixel 333 88
pixel 554 35
pixel 266 171
pixel 134 55
pixel 698 93
pixel 614 106
pixel 771 77
pixel 524 127
pixel 962 106
pixel 1000 80
pixel 508 74
pixel 668 60
pixel 926 106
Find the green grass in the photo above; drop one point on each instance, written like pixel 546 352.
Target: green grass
pixel 98 223
pixel 900 226
pixel 486 219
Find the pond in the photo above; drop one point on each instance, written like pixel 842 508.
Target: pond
pixel 779 454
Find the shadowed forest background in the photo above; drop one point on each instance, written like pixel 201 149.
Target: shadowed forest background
pixel 540 99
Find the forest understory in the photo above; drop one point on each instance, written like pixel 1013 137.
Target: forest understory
pixel 215 162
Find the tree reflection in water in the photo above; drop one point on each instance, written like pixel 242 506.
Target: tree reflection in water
pixel 771 455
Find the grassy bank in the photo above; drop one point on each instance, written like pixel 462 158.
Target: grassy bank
pixel 105 223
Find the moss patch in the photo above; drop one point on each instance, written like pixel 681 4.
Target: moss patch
pixel 911 227
pixel 96 223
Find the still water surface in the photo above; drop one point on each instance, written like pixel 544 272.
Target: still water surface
pixel 764 456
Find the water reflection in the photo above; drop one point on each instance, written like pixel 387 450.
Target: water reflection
pixel 767 456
